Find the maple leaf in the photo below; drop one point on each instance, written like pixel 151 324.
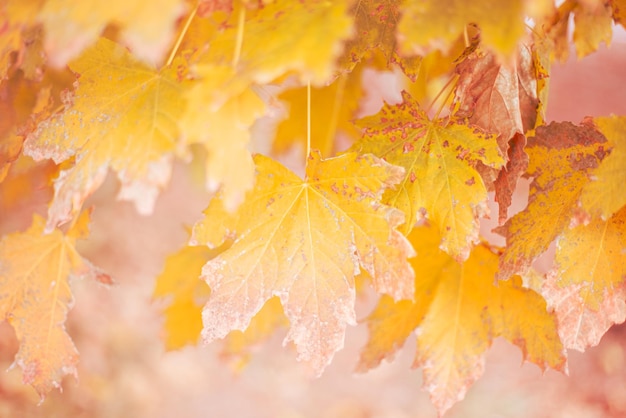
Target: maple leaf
pixel 305 243
pixel 146 27
pixel 586 289
pixel 375 29
pixel 18 19
pixel 332 107
pixel 435 24
pixel 604 194
pixel 180 280
pixel 35 269
pixel 561 157
pixel 503 100
pixel 284 36
pixel 592 20
pixel 123 115
pixel 229 165
pixel 456 313
pixel 439 157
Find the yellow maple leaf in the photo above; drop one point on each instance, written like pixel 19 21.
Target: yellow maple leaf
pixel 593 25
pixel 587 289
pixel 439 157
pixel 18 18
pixel 605 193
pixel 435 24
pixel 281 37
pixel 332 111
pixel 35 269
pixel 219 118
pixel 180 279
pixel 304 241
pixel 146 27
pixel 123 115
pixel 180 282
pixel 456 314
pixel 561 157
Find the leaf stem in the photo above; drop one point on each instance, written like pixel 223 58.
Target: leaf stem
pixel 181 36
pixel 241 20
pixel 453 78
pixel 443 103
pixel 308 119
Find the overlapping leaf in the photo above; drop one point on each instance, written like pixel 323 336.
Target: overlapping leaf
pixel 18 18
pixel 305 243
pixel 562 156
pixel 180 281
pixel 375 30
pixel 439 157
pixel 35 269
pixel 456 314
pixel 146 27
pixel 592 26
pixel 587 287
pixel 435 24
pixel 502 100
pixel 122 116
pixel 605 193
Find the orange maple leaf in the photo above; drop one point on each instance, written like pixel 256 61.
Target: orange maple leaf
pixel 561 157
pixel 456 314
pixel 304 241
pixel 501 99
pixel 439 157
pixel 375 30
pixel 123 116
pixel 35 295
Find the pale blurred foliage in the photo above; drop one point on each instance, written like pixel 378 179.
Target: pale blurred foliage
pixel 124 371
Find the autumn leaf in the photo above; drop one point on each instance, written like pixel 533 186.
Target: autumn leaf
pixel 587 287
pixel 333 109
pixel 146 27
pixel 604 194
pixel 435 24
pixel 439 157
pixel 561 157
pixel 180 282
pixel 35 270
pixel 180 279
pixel 123 115
pixel 18 20
pixel 375 30
pixel 304 241
pixel 502 100
pixel 592 26
pixel 282 37
pixel 457 313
